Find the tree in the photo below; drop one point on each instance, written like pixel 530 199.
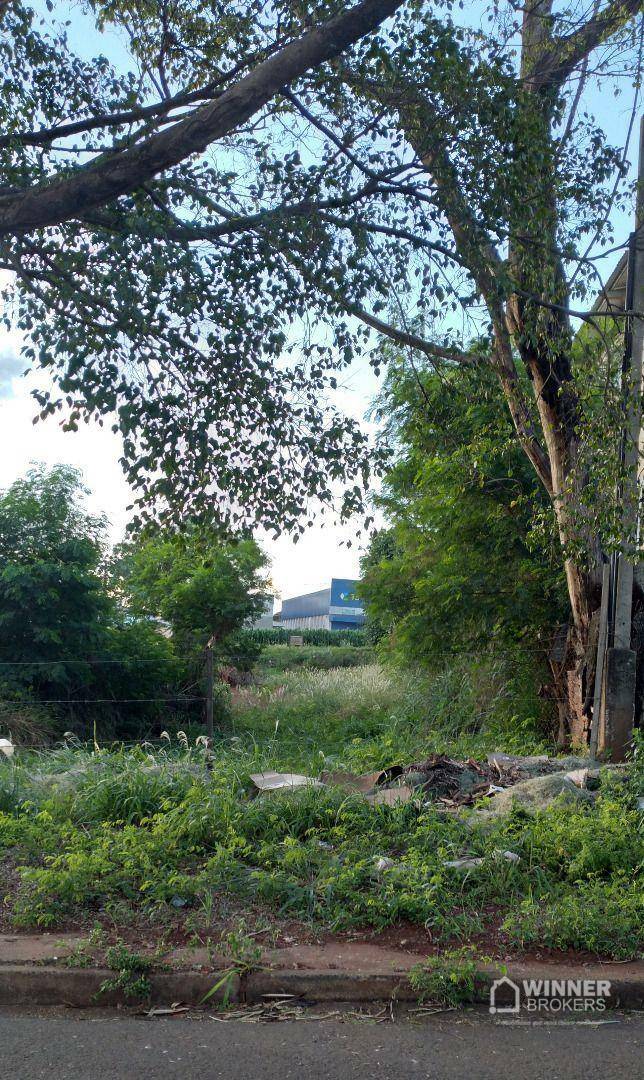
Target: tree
pixel 64 642
pixel 121 197
pixel 52 604
pixel 433 182
pixel 464 564
pixel 203 588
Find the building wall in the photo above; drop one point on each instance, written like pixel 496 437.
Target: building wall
pixel 307 622
pixel 345 610
pixel 265 621
pixel 306 606
pixel 335 608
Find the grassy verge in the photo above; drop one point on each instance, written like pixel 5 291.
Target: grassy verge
pixel 134 834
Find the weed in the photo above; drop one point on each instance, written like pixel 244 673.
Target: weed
pixel 117 835
pixel 79 956
pixel 245 954
pixel 131 969
pixel 447 979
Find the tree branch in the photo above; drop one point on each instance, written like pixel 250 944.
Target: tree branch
pixel 560 58
pixel 106 178
pixel 45 136
pixel 409 340
pixel 185 231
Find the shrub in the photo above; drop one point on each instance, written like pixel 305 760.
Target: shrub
pixel 280 636
pixel 285 657
pixel 448 979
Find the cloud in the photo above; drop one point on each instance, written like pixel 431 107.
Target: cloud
pixel 11 366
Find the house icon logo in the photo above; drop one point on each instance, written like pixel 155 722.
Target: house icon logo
pixel 513 993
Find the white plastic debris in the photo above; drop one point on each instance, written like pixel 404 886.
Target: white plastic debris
pixel 469 862
pixel 579 777
pixel 7 747
pixel 381 862
pixel 466 863
pixel 274 781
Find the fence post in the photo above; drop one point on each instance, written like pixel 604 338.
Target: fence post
pixel 210 691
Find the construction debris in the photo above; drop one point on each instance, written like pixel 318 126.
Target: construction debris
pixel 275 781
pixel 504 762
pixel 363 784
pixel 532 782
pixel 381 862
pixel 534 794
pixel 469 862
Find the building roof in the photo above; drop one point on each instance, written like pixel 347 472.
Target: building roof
pixel 613 295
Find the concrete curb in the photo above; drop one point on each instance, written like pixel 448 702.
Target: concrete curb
pixel 22 984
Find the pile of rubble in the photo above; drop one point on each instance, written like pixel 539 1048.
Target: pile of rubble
pixel 495 784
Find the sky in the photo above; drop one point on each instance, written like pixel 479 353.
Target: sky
pixel 322 552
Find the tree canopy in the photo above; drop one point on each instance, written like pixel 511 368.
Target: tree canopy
pixel 202 587
pixel 467 559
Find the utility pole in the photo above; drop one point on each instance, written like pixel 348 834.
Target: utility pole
pixel 614 731
pixel 632 431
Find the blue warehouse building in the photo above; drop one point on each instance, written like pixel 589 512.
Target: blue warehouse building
pixel 335 608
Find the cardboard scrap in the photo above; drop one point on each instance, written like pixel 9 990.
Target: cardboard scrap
pixel 275 781
pixel 390 796
pixel 363 784
pixel 367 784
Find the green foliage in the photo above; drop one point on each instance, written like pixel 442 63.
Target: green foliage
pixel 232 417
pixel 122 833
pixel 280 636
pixel 366 717
pixel 52 605
pixel 131 972
pixel 603 917
pixel 459 564
pixel 64 638
pixel 287 657
pixel 448 979
pixel 203 587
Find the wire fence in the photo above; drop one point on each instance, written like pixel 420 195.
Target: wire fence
pixel 176 699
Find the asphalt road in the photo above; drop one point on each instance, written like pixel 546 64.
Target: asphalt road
pixel 449 1047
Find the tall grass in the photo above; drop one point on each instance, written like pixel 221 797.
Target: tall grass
pixel 370 717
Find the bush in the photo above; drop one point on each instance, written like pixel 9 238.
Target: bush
pixel 287 657
pixel 280 636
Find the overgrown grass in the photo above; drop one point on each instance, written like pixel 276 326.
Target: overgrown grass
pixel 124 833
pixel 287 657
pixel 371 717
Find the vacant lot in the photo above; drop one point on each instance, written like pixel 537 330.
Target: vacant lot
pixel 169 836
